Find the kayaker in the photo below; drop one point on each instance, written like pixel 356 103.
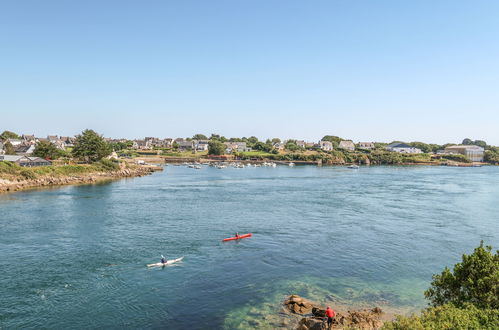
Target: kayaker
pixel 237 235
pixel 330 315
pixel 163 260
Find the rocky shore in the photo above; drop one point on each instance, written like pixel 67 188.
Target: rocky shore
pixel 309 315
pixel 9 185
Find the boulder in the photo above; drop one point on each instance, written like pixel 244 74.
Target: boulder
pixel 298 305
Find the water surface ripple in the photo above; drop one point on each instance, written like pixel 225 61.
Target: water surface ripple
pixel 74 257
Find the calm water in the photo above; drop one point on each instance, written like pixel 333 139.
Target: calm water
pixel 74 257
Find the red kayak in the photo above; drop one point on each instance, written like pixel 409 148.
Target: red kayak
pixel 238 237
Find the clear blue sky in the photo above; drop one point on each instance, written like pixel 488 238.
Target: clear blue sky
pixel 366 70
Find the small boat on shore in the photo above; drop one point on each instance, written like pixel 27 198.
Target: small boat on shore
pixel 291 164
pixel 355 167
pixel 169 262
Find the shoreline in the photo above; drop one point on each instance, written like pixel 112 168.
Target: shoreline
pixel 178 160
pixel 47 181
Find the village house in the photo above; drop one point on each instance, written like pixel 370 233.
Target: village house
pixel 366 145
pixel 231 147
pixel 14 142
pixel 326 145
pixel 55 140
pixel 279 146
pixel 301 143
pixel 402 148
pixel 141 145
pixel 24 149
pixel 473 153
pixel 1 148
pixel 185 145
pixel 202 145
pixel 347 145
pixel 68 141
pixel 25 161
pixel 28 139
pixel 167 143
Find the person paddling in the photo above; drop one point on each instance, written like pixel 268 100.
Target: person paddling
pixel 330 315
pixel 237 235
pixel 163 260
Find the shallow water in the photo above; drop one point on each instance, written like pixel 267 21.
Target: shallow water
pixel 74 257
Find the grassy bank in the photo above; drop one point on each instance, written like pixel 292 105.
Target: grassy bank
pixel 10 171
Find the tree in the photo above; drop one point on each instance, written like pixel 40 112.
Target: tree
pixel 491 156
pixel 8 135
pixel 9 148
pixel 276 140
pixel 475 280
pixel 216 148
pixel 467 141
pixel 200 137
pixel 90 146
pixel 47 150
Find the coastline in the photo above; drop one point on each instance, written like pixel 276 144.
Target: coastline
pixel 18 184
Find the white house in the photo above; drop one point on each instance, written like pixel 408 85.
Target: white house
pixel 473 153
pixel 403 148
pixel 326 145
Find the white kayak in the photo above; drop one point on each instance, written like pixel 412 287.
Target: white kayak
pixel 168 262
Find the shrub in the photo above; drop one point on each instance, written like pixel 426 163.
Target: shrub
pixel 475 280
pixel 448 317
pixel 108 165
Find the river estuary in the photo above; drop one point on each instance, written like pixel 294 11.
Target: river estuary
pixel 75 257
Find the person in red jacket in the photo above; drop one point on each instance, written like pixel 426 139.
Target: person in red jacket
pixel 330 315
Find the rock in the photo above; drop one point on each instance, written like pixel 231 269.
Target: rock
pixel 310 323
pixel 298 305
pixel 318 312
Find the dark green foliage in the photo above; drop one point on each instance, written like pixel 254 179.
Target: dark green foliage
pixel 8 135
pixel 425 147
pixel 47 150
pixel 475 280
pixel 216 148
pixel 90 146
pixel 217 137
pixel 385 157
pixel 200 137
pixel 9 148
pixel 291 145
pixel 491 156
pixel 118 146
pixel 479 143
pixel 108 165
pixel 457 158
pixel 448 317
pixel 260 146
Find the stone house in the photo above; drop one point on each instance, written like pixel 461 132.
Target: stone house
pixel 347 145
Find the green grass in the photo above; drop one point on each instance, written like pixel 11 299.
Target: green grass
pixel 12 171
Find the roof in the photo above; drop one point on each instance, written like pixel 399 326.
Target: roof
pixel 399 145
pixel 11 158
pixel 465 147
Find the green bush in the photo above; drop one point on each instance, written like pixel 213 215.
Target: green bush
pixel 448 317
pixel 108 165
pixel 475 280
pixel 27 174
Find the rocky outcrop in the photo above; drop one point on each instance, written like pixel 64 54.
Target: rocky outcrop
pixel 45 181
pixel 298 305
pixel 315 316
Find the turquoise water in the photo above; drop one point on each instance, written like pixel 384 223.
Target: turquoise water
pixel 74 257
